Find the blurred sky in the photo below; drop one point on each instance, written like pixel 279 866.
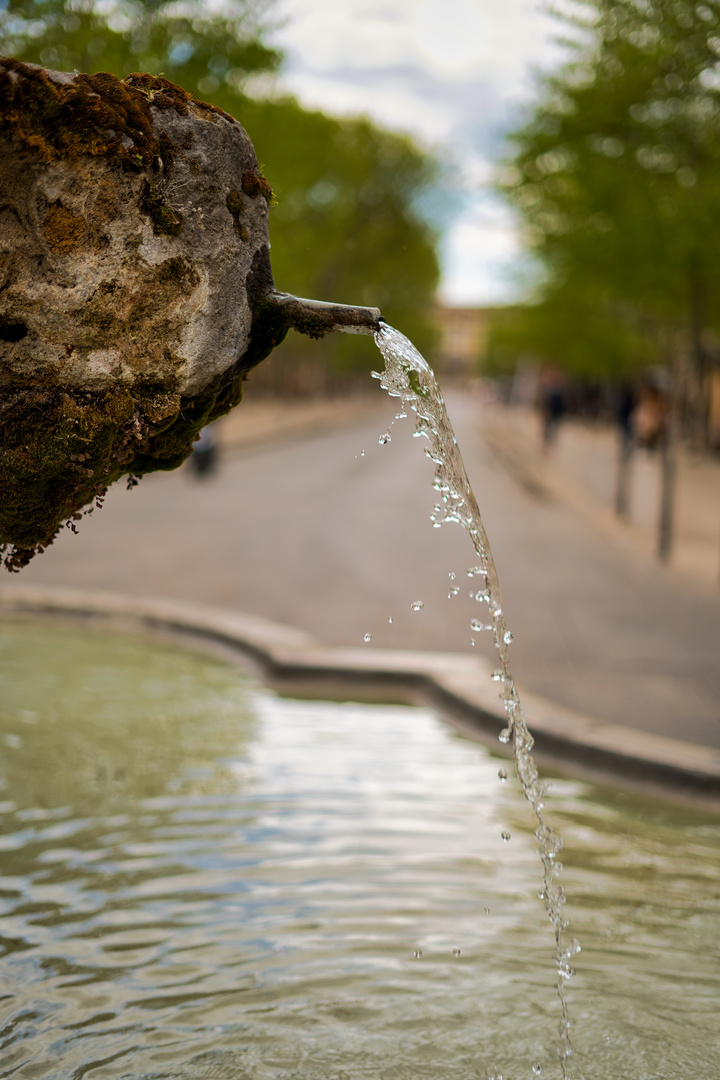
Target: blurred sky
pixel 453 73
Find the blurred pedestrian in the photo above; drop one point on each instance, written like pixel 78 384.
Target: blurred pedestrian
pixel 204 458
pixel 626 404
pixel 553 405
pixel 649 417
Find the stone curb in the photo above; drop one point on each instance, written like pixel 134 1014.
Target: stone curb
pixel 458 686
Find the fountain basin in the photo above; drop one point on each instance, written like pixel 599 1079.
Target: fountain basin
pixel 202 879
pixel 458 685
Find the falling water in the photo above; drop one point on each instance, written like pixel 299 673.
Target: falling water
pixel 409 377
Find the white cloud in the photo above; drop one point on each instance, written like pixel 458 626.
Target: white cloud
pixel 479 252
pixel 453 73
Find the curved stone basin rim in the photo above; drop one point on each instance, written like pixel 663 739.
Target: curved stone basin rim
pixel 458 686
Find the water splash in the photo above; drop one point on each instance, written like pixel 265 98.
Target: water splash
pixel 408 376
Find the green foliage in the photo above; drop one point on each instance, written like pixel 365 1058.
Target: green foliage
pixel 345 226
pixel 616 178
pixel 596 337
pixel 189 44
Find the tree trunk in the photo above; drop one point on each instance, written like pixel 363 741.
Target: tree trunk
pixel 698 322
pixel 668 474
pixel 624 476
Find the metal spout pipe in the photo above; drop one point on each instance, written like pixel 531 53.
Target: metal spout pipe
pixel 316 318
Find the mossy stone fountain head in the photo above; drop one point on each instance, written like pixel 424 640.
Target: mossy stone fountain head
pixel 136 289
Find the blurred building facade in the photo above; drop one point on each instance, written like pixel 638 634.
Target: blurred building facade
pixel 462 340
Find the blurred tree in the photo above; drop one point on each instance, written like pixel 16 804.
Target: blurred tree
pixel 589 333
pixel 188 42
pixel 346 226
pixel 616 177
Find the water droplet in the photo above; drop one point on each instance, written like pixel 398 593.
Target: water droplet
pixel 486 910
pixel 476 571
pixel 390 618
pixel 453 592
pixel 507 637
pixel 504 735
pixel 401 416
pixel 505 836
pixel 498 676
pixel 537 1070
pixel 482 597
pixel 473 642
pixel 456 952
pixel 385 438
pixel 367 637
pixel 478 626
pixel 417 954
pixel 417 605
pixel 362 453
pixel 451 575
pixel 502 773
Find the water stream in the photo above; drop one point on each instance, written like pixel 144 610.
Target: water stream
pixel 408 376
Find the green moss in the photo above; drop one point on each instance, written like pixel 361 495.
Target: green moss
pixel 62 449
pixel 63 230
pixel 177 271
pixel 235 205
pixel 269 328
pixel 254 183
pixel 92 114
pixel 235 202
pixel 166 221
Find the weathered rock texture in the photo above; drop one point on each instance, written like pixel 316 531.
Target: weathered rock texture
pixel 135 287
pixel 126 256
pixel 133 260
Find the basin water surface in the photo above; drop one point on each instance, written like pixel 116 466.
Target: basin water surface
pixel 202 879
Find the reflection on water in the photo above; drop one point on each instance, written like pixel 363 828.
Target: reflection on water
pixel 201 880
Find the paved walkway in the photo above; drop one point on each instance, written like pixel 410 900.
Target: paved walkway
pixel 582 470
pixel 329 533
